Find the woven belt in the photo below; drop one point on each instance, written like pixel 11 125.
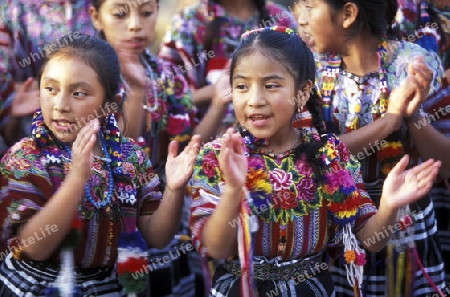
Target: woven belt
pixel 273 270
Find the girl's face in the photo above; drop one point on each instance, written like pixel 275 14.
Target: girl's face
pixel 263 92
pixel 127 25
pixel 316 26
pixel 70 96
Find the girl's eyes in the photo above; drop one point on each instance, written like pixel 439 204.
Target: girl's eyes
pixel 122 15
pixel 50 90
pixel 271 86
pixel 79 94
pixel 240 87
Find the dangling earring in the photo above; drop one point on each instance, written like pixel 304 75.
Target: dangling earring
pixel 302 118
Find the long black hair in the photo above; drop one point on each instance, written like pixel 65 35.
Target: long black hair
pixel 289 50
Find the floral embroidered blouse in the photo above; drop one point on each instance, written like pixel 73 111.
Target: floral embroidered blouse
pixel 25 27
pixel 30 177
pixel 355 101
pixel 184 43
pixel 169 112
pixel 298 216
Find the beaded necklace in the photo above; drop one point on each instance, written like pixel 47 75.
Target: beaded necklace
pixel 389 154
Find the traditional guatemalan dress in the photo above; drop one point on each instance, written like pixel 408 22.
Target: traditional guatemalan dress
pixel 25 27
pixel 423 31
pixel 184 44
pixel 31 172
pixel 351 102
pixel 299 217
pixel 169 115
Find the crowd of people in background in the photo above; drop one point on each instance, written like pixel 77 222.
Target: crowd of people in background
pixel 254 143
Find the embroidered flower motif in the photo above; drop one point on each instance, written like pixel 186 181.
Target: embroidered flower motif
pixel 210 164
pixel 306 189
pixel 285 199
pixel 280 179
pixel 176 124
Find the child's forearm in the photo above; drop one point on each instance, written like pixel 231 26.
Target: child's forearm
pixel 60 211
pixel 383 222
pixel 430 143
pixel 220 232
pixel 159 228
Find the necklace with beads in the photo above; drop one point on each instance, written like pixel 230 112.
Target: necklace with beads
pixel 87 189
pixel 389 154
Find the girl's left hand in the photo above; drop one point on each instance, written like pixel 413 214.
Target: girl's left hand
pixel 179 168
pixel 405 186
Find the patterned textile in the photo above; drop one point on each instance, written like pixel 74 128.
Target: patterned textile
pixel 425 32
pixel 354 100
pixel 407 22
pixel 183 47
pixel 169 115
pixel 169 106
pixel 25 27
pixel 36 278
pixel 300 218
pixel 32 171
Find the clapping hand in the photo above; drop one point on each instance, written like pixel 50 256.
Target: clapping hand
pixel 232 160
pixel 179 168
pixel 419 77
pixel 83 150
pixel 405 186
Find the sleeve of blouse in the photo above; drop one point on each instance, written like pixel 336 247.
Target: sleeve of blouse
pixel 206 193
pixel 146 180
pixel 348 201
pixel 181 111
pixel 180 43
pixel 25 189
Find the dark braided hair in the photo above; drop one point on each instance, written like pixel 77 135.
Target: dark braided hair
pixel 290 51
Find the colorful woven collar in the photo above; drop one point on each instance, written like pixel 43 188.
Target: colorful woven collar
pixel 389 154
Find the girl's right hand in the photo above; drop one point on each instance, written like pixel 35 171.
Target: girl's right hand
pixel 82 150
pixel 232 160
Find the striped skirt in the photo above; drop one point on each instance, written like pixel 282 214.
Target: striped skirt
pixel 317 284
pixel 29 278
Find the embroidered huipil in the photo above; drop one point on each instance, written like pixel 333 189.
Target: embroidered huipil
pixel 25 27
pixel 355 103
pixel 297 216
pixel 169 112
pixel 184 43
pixel 29 178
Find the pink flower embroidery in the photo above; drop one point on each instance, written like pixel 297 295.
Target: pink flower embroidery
pixel 306 189
pixel 340 178
pixel 280 179
pixel 210 164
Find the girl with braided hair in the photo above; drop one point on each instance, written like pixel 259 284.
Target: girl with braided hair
pixel 272 199
pixel 375 90
pixel 200 43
